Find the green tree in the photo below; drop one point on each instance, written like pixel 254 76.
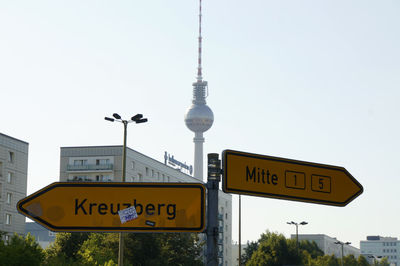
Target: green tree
pixel 162 249
pixel 382 262
pixel 248 251
pixel 362 261
pixel 99 249
pixel 327 260
pixel 21 251
pixel 275 249
pixel 181 249
pixel 64 250
pixel 311 249
pixel 350 260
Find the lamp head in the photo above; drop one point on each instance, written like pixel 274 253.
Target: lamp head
pixel 116 116
pixel 109 119
pixel 137 117
pixel 144 120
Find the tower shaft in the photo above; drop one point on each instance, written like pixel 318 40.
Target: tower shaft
pixel 198 155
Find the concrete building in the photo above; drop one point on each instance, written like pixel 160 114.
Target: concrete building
pixel 378 247
pixel 43 236
pixel 328 246
pixel 104 163
pixel 13 183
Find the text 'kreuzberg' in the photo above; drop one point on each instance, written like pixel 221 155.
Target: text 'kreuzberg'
pixel 85 207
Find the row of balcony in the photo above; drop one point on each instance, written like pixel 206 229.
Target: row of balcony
pixel 90 167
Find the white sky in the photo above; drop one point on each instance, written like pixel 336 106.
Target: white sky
pixel 314 81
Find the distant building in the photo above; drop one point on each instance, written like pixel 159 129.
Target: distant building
pixel 104 163
pixel 378 247
pixel 42 235
pixel 13 183
pixel 328 246
pixel 235 252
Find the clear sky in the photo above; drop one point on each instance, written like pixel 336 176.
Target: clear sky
pixel 315 81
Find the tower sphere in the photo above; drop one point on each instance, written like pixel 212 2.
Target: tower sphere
pixel 199 118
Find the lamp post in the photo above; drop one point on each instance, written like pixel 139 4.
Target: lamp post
pixel 297 232
pixel 342 244
pixel 137 119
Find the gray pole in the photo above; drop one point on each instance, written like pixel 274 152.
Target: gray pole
pixel 121 236
pixel 213 179
pixel 297 238
pixel 342 252
pixel 240 230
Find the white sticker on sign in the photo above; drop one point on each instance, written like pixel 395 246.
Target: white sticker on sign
pixel 127 214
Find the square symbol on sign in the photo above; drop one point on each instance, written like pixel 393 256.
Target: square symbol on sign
pixel 321 183
pixel 296 180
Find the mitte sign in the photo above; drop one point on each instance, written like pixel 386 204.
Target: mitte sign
pixel 273 177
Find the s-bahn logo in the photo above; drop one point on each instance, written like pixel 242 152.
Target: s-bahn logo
pixel 169 159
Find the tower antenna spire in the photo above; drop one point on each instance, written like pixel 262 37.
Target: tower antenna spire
pixel 199 69
pixel 199 117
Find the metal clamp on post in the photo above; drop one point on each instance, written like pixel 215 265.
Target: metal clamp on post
pixel 214 167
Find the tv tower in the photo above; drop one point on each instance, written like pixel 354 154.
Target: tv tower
pixel 199 117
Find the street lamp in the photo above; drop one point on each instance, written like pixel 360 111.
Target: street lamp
pixel 137 119
pixel 375 258
pixel 297 232
pixel 342 244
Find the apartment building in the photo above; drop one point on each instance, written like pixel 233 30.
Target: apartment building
pixel 13 184
pixel 377 247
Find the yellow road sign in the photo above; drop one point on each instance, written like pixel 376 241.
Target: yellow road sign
pixel 95 206
pixel 273 177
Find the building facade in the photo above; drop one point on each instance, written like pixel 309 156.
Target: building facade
pixel 104 164
pixel 328 245
pixel 43 236
pixel 377 247
pixel 13 183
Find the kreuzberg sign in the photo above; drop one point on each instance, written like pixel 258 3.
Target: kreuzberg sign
pixel 94 206
pixel 273 177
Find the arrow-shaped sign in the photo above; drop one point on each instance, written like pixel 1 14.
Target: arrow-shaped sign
pixel 109 206
pixel 273 177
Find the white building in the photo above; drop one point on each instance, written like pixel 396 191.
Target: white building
pixel 104 163
pixel 377 247
pixel 13 183
pixel 328 246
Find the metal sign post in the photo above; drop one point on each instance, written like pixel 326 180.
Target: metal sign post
pixel 213 179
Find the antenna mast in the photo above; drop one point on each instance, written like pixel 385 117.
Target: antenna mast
pixel 199 69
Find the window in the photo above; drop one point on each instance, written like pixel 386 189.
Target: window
pixel 80 162
pixel 102 161
pixel 9 198
pixel 80 178
pixel 140 177
pixel 9 177
pixel 152 173
pixel 8 219
pixel 1 169
pixel 11 156
pixel 147 171
pixel 7 238
pixel 133 165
